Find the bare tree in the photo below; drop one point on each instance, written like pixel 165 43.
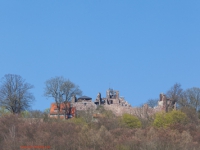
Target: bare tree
pixel 62 91
pixel 175 92
pixel 191 98
pixel 152 102
pixel 54 89
pixel 14 93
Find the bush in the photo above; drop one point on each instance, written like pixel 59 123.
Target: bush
pixel 131 121
pixel 76 134
pixel 4 111
pixel 163 119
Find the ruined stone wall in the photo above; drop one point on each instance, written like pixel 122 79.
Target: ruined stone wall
pixel 84 105
pixel 137 111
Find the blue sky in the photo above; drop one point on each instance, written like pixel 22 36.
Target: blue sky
pixel 140 48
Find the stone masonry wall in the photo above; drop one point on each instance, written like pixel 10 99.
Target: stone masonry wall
pixel 137 111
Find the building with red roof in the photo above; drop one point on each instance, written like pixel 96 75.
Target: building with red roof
pixel 54 111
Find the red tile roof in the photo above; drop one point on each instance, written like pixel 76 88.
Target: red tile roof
pixel 54 110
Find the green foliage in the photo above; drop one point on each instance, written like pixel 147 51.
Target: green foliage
pixel 122 147
pixel 165 119
pixel 78 121
pixel 25 114
pixel 106 113
pixel 3 111
pixel 176 117
pixel 199 114
pixel 131 121
pixel 47 110
pixel 159 120
pixel 75 134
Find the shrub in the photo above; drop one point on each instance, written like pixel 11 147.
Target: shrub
pixel 3 111
pixel 163 119
pixel 77 121
pixel 131 121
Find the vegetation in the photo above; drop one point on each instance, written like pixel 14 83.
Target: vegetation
pixel 163 119
pixel 3 111
pixel 105 133
pixel 62 91
pixel 131 121
pixel 14 93
pixel 174 130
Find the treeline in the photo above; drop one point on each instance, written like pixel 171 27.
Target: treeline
pixel 95 129
pixel 188 101
pixel 184 98
pixel 16 97
pixel 165 131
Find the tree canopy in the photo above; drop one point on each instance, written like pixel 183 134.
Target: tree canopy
pixel 131 121
pixel 61 90
pixel 163 119
pixel 15 93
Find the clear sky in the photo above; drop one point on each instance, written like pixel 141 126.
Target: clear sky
pixel 140 48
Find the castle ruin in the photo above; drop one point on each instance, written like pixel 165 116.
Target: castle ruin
pixel 118 105
pixel 112 98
